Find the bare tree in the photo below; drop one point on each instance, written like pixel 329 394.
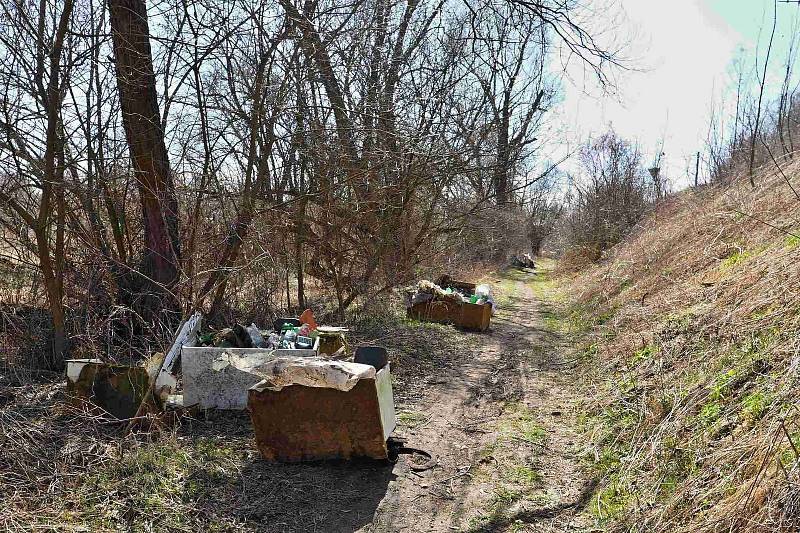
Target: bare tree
pixel 145 134
pixel 610 196
pixel 35 82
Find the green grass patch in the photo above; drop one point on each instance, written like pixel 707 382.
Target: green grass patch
pixel 754 405
pixel 519 423
pixel 524 476
pixel 611 501
pixel 503 498
pixel 734 259
pixel 608 460
pixel 590 352
pixel 411 419
pixel 643 354
pixel 709 413
pixel 151 483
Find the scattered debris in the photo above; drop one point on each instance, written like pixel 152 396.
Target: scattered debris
pixel 302 406
pixel 523 261
pixel 188 335
pixel 127 392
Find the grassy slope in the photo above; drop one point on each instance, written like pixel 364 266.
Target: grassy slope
pixel 695 361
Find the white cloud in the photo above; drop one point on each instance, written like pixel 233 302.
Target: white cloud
pixel 684 50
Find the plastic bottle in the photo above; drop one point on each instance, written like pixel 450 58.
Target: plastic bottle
pixel 290 337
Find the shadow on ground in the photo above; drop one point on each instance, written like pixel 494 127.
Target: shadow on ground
pixel 329 496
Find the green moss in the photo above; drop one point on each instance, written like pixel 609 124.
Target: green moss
pixel 709 414
pixel 525 476
pixel 588 353
pixel 518 525
pixel 792 241
pixel 754 405
pixel 627 384
pixel 410 419
pixel 734 259
pixel 720 384
pixel 608 460
pixel 619 417
pixel 518 422
pixel 503 498
pixel 611 501
pixel 677 463
pixel 643 354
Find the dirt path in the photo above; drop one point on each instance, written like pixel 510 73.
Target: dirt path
pixel 502 427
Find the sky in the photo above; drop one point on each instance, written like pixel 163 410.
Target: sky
pixel 683 53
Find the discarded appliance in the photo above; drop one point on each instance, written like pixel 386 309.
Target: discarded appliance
pixel 462 304
pixel 332 341
pixel 218 378
pixel 312 408
pixel 117 389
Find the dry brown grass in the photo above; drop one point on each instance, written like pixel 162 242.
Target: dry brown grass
pixel 696 424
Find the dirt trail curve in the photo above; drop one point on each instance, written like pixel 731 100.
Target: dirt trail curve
pixel 503 430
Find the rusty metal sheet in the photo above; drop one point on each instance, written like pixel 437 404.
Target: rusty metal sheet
pixel 441 311
pixel 299 422
pixel 473 317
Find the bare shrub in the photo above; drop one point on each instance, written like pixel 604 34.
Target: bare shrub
pixel 609 197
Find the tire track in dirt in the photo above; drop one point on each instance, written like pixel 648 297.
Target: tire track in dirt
pixel 519 365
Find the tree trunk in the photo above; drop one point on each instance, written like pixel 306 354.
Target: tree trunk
pixel 145 135
pixel 53 192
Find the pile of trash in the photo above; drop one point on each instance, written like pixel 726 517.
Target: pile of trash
pixel 308 398
pixel 523 261
pixel 427 291
pixel 287 333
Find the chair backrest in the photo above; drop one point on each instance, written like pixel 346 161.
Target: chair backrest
pixel 371 355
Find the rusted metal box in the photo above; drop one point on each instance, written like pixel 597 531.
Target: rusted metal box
pixel 301 422
pixel 465 315
pixel 441 311
pixel 472 317
pixel 475 317
pixel 117 389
